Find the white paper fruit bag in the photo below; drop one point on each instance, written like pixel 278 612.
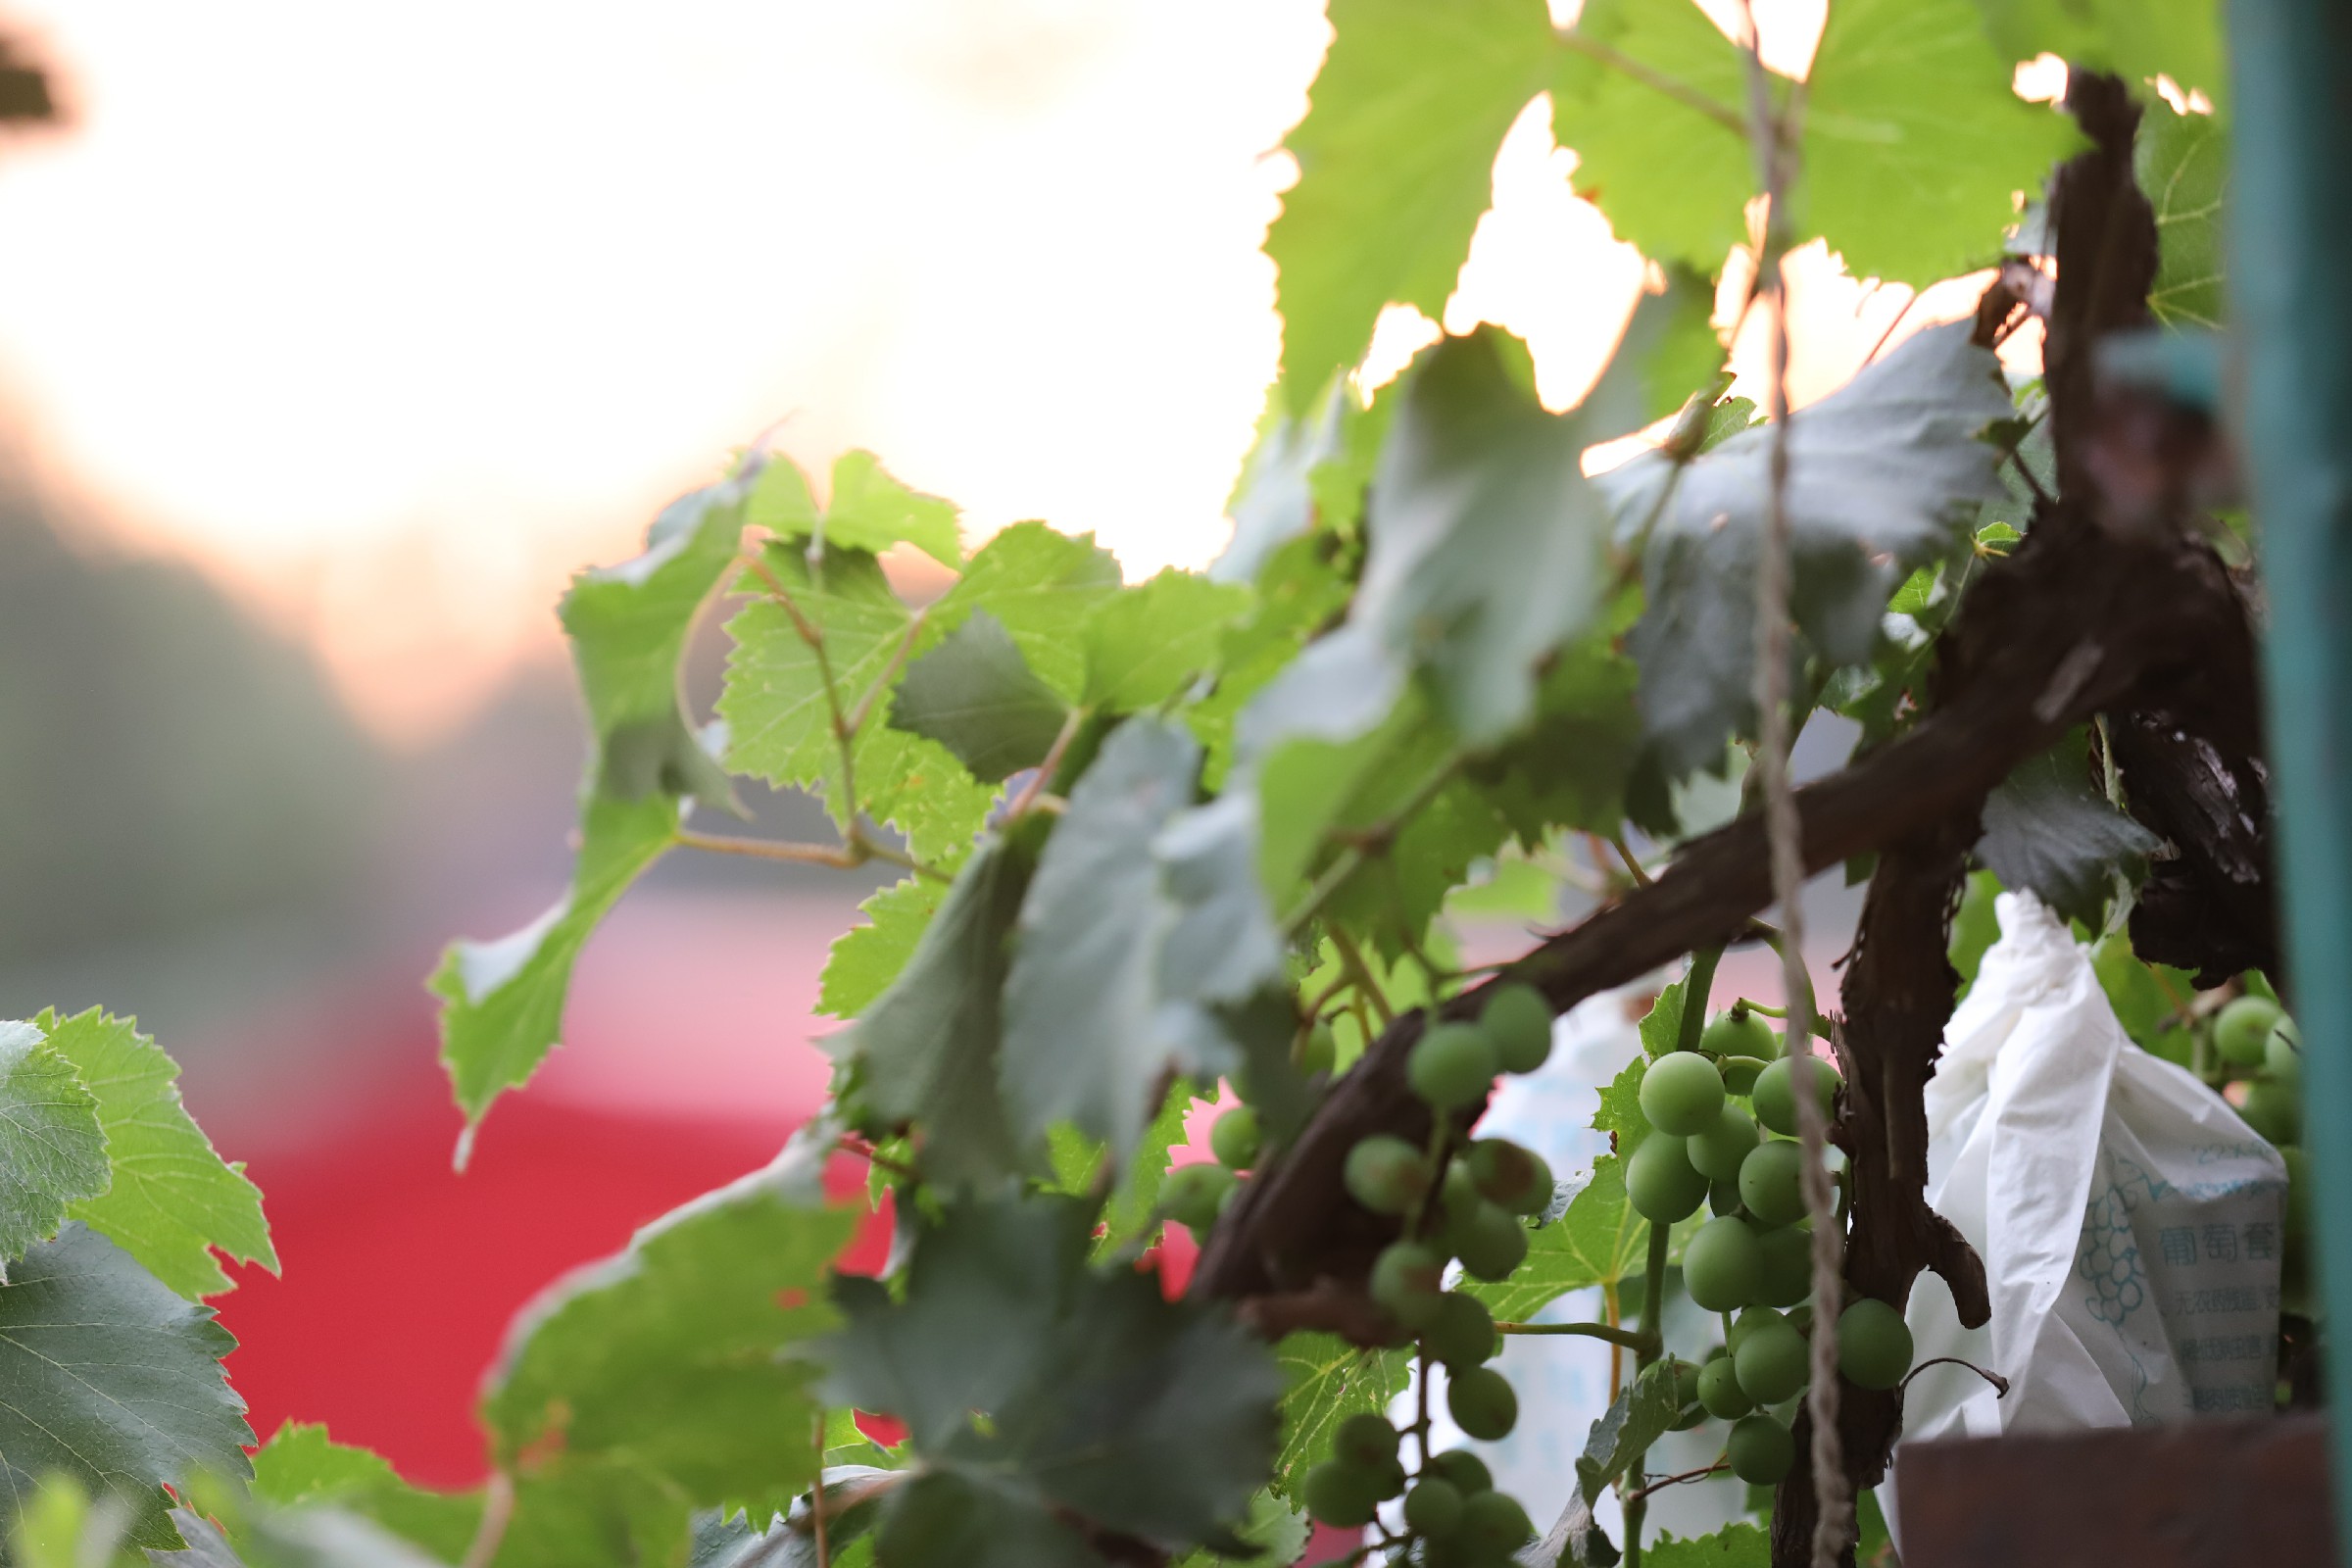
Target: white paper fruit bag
pixel 2130 1223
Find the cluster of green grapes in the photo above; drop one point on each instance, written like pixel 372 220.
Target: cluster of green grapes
pixel 2256 1041
pixel 1753 1256
pixel 1193 1196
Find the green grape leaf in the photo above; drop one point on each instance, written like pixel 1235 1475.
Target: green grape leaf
pixel 1635 1420
pixel 1598 1241
pixel 1915 143
pixel 1975 926
pixel 2149 999
pixel 315 1538
pixel 1275 1533
pixel 2136 39
pixel 1143 918
pixel 301 1467
pixel 1661 1030
pixel 1570 768
pixel 584 1512
pixel 172 1198
pixel 1131 1212
pixel 1043 586
pixel 869 511
pixel 112 1380
pixel 1034 1384
pixel 1325 1380
pixel 1673 182
pixel 1273 501
pixel 867 959
pixel 1395 158
pixel 2182 162
pixel 502 1001
pixel 1883 475
pixel 975 695
pixel 2049 831
pixel 1736 1545
pixel 53 1151
pixel 675 1356
pixel 1148 643
pixel 927 1048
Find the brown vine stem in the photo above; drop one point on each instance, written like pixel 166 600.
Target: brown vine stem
pixel 1715 1469
pixel 498 1511
pixel 2000 1384
pixel 840 857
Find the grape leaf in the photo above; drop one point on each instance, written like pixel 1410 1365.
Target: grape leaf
pixel 2136 39
pixel 1736 1545
pixel 1395 158
pixel 112 1380
pixel 2049 831
pixel 1635 1420
pixel 1275 1532
pixel 1881 477
pixel 1142 917
pixel 1093 1392
pixel 2182 162
pixel 315 1538
pixel 52 1148
pixel 927 1048
pixel 1132 1209
pixel 1598 1241
pixel 1976 927
pixel 1273 501
pixel 1661 1027
pixel 1325 1380
pixel 2149 999
pixel 869 511
pixel 1915 143
pixel 586 1514
pixel 1570 768
pixel 974 695
pixel 867 959
pixel 301 1467
pixel 1148 643
pixel 1620 1113
pixel 675 1355
pixel 1043 586
pixel 172 1198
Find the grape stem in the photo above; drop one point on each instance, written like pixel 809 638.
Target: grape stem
pixel 1632 1339
pixel 497 1508
pixel 2000 1384
pixel 1653 1308
pixel 1715 1469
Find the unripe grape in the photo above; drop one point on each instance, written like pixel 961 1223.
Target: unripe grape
pixel 1681 1093
pixel 1192 1194
pixel 1386 1174
pixel 1404 1283
pixel 1685 1381
pixel 1740 1074
pixel 1432 1509
pixel 1661 1183
pixel 1738 1033
pixel 1388 1480
pixel 2243 1028
pixel 1365 1440
pixel 1749 1322
pixel 1490 1242
pixel 1457 1192
pixel 1722 1264
pixel 2274 1110
pixel 1723 1197
pixel 1720 1391
pixel 1772 1183
pixel 1718 1149
pixel 1482 1404
pixel 1770 1362
pixel 1341 1494
pixel 1774 1095
pixel 1462 1333
pixel 1451 1065
pixel 1873 1345
pixel 1465 1471
pixel 1787 1277
pixel 1509 1175
pixel 2282 1054
pixel 1235 1139
pixel 1319 1050
pixel 1493 1526
pixel 1518 1020
pixel 1761 1449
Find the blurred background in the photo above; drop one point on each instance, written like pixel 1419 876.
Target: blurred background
pixel 333 338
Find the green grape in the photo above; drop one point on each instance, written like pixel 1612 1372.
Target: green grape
pixel 1493 1526
pixel 1235 1139
pixel 1458 1191
pixel 1740 1074
pixel 1404 1283
pixel 2274 1110
pixel 1341 1493
pixel 1451 1065
pixel 1462 1332
pixel 1738 1033
pixel 1717 1150
pixel 1771 1182
pixel 1387 1479
pixel 1774 1095
pixel 1661 1183
pixel 1722 1264
pixel 1318 1051
pixel 1720 1391
pixel 1509 1175
pixel 1366 1441
pixel 1748 1323
pixel 1723 1197
pixel 1464 1470
pixel 1386 1174
pixel 1433 1508
pixel 1770 1362
pixel 2243 1028
pixel 2282 1054
pixel 1192 1194
pixel 1761 1449
pixel 1489 1240
pixel 1681 1093
pixel 1482 1404
pixel 1518 1020
pixel 1873 1345
pixel 1787 1276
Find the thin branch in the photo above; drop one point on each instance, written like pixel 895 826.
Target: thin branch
pixel 498 1511
pixel 841 857
pixel 1715 1469
pixel 890 672
pixel 852 1144
pixel 1634 1340
pixel 1352 957
pixel 1681 93
pixel 1633 862
pixel 1043 775
pixel 1999 1383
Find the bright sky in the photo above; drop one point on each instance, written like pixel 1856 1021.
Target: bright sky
pixel 391 318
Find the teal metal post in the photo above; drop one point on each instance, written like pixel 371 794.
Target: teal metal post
pixel 2290 280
